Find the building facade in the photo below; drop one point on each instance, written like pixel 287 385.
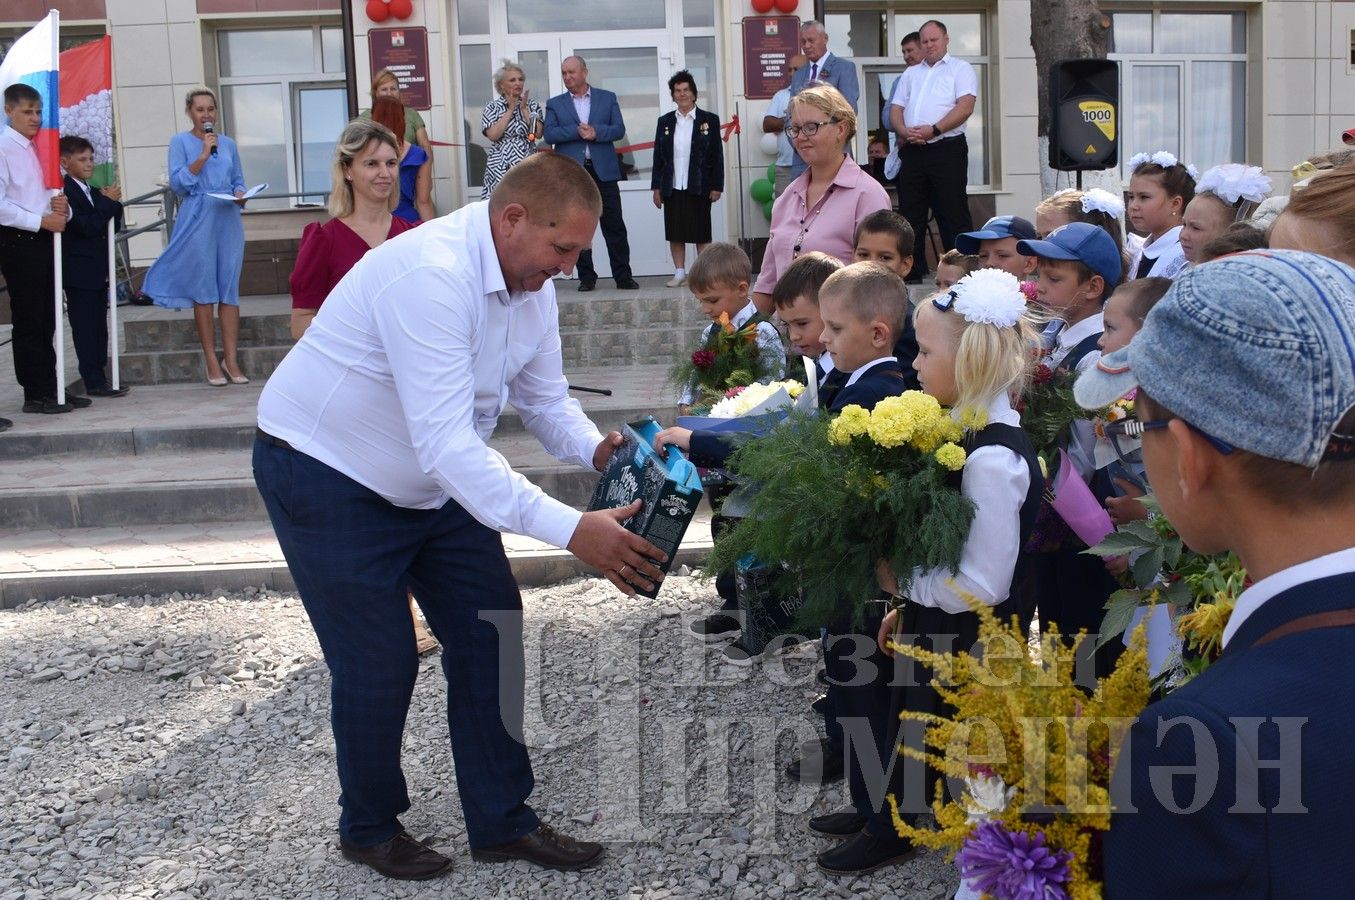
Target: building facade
pixel 1269 82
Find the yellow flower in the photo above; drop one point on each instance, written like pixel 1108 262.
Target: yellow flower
pixel 952 456
pixel 855 420
pixel 838 434
pixel 972 418
pixel 794 388
pixel 896 421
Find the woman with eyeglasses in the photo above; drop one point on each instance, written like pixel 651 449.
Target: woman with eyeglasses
pixel 821 209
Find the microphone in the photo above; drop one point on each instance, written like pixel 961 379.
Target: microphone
pixel 210 128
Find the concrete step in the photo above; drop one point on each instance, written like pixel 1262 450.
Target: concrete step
pixel 651 326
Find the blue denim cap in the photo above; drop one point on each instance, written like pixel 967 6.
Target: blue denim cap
pixel 1088 244
pixel 1255 349
pixel 995 229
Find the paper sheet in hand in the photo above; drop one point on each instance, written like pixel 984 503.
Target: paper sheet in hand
pixel 257 189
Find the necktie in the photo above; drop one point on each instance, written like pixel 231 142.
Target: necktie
pixel 813 72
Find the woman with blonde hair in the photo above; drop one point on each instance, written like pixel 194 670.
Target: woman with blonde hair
pixel 513 123
pixel 821 209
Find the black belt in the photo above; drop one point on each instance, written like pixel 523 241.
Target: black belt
pixel 269 439
pixel 945 140
pixel 9 231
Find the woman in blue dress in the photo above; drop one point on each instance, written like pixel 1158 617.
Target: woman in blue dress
pixel 201 266
pixel 416 167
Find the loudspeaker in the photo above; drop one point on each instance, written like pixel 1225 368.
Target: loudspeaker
pixel 1084 113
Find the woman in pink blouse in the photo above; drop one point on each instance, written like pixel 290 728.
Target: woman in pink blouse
pixel 365 188
pixel 821 209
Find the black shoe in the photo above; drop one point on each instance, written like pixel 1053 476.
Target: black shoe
pixel 588 285
pixel 46 407
pixel 6 424
pixel 819 706
pixel 716 627
pixel 108 391
pixel 821 676
pixel 400 857
pixel 78 402
pixel 141 300
pixel 838 824
pixel 545 847
pixel 627 284
pixel 737 654
pixel 822 767
pixel 866 853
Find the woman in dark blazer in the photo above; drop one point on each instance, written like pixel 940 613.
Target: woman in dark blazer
pixel 689 172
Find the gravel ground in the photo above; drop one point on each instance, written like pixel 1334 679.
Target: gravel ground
pixel 178 747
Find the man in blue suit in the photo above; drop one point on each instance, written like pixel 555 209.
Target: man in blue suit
pixel 1238 784
pixel 583 123
pixel 824 67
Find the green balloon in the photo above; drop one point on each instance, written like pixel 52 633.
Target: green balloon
pixel 771 173
pixel 767 210
pixel 761 190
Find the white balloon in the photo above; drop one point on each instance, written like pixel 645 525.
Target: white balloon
pixel 768 144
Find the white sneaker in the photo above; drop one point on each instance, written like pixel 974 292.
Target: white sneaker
pixel 675 281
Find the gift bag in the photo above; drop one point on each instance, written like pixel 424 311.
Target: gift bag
pixel 767 613
pixel 668 484
pixel 1077 506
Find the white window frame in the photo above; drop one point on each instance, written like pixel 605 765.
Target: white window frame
pixel 289 84
pixel 1184 62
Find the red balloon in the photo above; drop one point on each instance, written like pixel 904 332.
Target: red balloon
pixel 377 10
pixel 401 9
pixel 762 6
pixel 787 6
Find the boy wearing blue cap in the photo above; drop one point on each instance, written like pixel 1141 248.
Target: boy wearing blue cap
pixel 1079 267
pixel 1238 783
pixel 995 245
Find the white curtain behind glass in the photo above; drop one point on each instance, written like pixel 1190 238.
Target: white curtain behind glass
pixel 1218 106
pixel 1154 118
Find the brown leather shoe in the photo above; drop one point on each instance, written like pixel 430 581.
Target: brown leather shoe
pixel 400 857
pixel 545 847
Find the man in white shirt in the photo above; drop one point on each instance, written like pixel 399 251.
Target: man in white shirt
pixel 29 217
pixel 372 462
pixel 931 104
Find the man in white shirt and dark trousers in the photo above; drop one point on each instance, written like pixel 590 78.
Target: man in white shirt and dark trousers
pixel 931 104
pixel 372 462
pixel 28 219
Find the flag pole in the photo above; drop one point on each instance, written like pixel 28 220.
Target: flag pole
pixel 112 304
pixel 58 333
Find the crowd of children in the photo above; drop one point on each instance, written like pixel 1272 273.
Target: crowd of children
pixel 1072 290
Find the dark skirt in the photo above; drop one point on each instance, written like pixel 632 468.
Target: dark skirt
pixel 686 218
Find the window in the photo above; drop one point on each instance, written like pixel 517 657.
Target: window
pixel 545 16
pixel 283 101
pixel 872 39
pixel 1185 76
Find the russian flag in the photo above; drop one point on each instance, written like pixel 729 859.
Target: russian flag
pixel 33 60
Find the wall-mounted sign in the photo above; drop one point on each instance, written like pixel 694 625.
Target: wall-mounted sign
pixel 768 44
pixel 405 52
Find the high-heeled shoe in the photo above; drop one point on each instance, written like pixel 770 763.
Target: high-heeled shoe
pixel 218 381
pixel 234 379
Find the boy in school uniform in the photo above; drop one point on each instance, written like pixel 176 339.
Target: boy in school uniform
pixel 885 237
pixel 1237 784
pixel 1079 265
pixel 84 263
pixel 995 245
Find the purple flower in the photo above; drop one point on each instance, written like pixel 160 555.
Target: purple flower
pixel 1013 865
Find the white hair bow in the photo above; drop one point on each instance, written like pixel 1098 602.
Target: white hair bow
pixel 1102 200
pixel 1232 182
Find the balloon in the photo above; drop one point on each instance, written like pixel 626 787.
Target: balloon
pixel 402 9
pixel 767 210
pixel 768 144
pixel 377 10
pixel 786 6
pixel 762 6
pixel 771 173
pixel 761 190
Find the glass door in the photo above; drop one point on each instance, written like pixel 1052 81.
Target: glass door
pixel 321 114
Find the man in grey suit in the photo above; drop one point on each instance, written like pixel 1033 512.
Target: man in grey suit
pixel 821 66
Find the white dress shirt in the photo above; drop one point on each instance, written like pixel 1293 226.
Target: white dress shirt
pixel 401 377
pixel 583 108
pixel 1082 447
pixel 682 147
pixel 996 480
pixel 1165 252
pixel 928 93
pixel 23 199
pixel 780 107
pixel 1338 563
pixel 862 370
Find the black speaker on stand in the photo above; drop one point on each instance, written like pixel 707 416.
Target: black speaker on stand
pixel 1084 115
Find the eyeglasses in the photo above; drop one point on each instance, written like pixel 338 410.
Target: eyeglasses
pixel 808 129
pixel 1126 435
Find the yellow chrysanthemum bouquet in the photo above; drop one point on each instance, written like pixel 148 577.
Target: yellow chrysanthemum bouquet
pixel 835 496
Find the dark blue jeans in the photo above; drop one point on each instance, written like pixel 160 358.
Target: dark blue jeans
pixel 88 313
pixel 353 554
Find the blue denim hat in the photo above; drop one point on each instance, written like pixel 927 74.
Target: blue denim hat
pixel 1088 244
pixel 1255 349
pixel 995 229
